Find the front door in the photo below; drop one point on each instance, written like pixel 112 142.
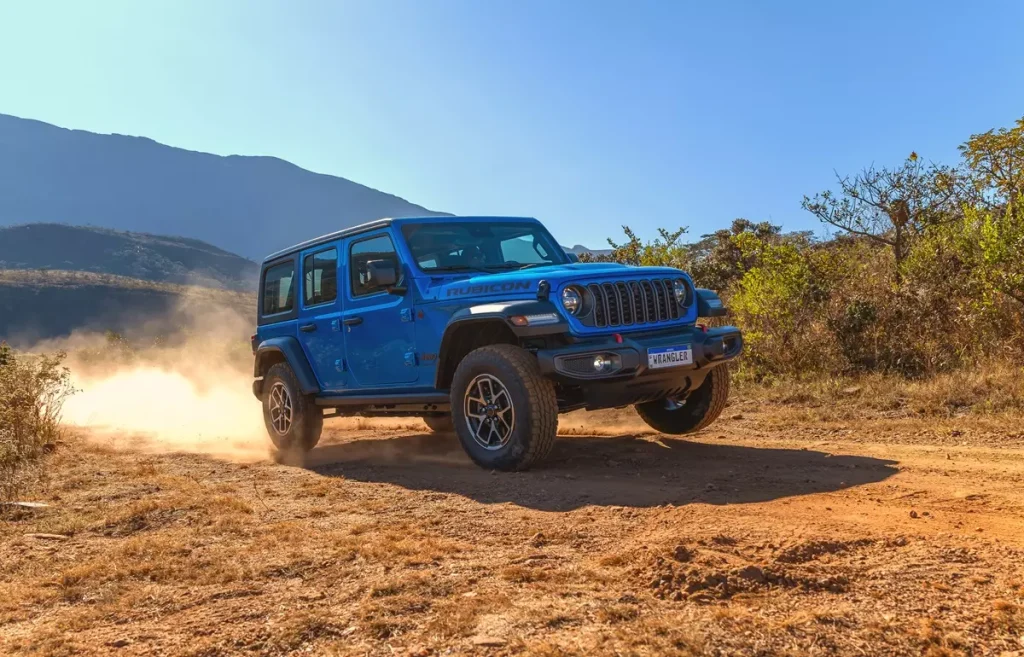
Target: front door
pixel 319 325
pixel 377 323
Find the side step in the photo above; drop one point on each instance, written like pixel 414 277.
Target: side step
pixel 397 404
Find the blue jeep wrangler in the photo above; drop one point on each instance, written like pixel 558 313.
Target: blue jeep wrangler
pixel 483 326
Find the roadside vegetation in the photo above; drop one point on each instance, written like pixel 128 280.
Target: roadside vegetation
pixel 920 285
pixel 32 392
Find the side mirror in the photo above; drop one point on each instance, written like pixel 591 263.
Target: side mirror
pixel 381 273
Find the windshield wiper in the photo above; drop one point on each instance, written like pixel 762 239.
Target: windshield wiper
pixel 491 269
pixel 538 264
pixel 460 268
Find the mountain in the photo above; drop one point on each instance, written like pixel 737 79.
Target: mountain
pixel 579 249
pixel 136 255
pixel 250 205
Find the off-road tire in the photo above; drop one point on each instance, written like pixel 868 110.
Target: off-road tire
pixel 701 408
pixel 307 419
pixel 533 400
pixel 439 423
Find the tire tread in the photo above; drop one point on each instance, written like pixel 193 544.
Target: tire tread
pixel 690 420
pixel 542 400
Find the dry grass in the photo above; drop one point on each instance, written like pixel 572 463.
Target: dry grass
pixel 33 390
pixel 187 554
pixel 996 388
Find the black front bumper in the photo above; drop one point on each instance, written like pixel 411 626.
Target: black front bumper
pixel 631 380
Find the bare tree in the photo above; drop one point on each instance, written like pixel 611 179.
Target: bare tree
pixel 889 206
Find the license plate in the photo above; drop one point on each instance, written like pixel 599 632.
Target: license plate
pixel 659 357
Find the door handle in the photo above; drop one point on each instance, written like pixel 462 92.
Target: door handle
pixel 307 328
pixel 352 321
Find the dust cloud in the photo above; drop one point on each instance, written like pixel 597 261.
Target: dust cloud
pixel 188 390
pixel 183 383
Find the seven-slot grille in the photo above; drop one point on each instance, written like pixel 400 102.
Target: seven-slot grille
pixel 629 303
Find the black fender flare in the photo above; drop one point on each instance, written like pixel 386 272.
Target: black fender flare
pixel 709 305
pixel 501 311
pixel 291 350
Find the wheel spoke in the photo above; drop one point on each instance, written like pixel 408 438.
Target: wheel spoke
pixel 279 405
pixel 489 411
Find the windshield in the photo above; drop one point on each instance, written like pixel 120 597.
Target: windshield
pixel 498 246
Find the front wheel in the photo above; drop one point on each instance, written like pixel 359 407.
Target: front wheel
pixel 693 413
pixel 293 421
pixel 505 411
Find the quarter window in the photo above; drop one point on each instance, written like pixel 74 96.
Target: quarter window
pixel 320 277
pixel 279 289
pixel 375 248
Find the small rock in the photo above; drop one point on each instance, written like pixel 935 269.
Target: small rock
pixel 956 432
pixel 752 573
pixel 736 416
pixel 118 643
pixel 913 514
pixel 852 390
pixel 538 539
pixel 488 641
pixel 418 651
pixel 49 537
pixel 469 594
pixel 683 554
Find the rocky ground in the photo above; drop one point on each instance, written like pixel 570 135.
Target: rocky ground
pixel 767 535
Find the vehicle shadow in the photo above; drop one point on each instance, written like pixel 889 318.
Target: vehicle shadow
pixel 605 471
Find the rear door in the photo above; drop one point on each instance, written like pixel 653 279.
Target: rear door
pixel 319 323
pixel 278 309
pixel 377 323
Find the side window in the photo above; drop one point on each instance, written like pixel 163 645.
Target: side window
pixel 375 248
pixel 320 277
pixel 279 289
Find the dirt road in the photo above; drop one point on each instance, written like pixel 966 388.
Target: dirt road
pixel 764 535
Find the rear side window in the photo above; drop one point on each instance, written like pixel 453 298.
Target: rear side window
pixel 375 248
pixel 320 277
pixel 279 289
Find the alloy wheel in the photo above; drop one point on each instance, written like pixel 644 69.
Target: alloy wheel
pixel 280 405
pixel 489 412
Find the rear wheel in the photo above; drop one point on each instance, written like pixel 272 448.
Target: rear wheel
pixel 439 423
pixel 293 421
pixel 505 412
pixel 692 413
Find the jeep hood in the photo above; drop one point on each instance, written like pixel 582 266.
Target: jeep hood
pixel 524 283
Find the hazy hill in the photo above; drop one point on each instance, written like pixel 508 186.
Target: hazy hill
pixel 250 205
pixel 579 249
pixel 137 255
pixel 37 305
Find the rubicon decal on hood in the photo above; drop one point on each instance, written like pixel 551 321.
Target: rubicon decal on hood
pixel 491 288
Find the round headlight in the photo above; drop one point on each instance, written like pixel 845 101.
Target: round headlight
pixel 682 291
pixel 572 300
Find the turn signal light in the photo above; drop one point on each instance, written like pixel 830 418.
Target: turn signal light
pixel 534 320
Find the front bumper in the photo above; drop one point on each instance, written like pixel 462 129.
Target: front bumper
pixel 631 380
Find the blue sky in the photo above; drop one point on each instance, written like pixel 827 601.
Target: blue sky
pixel 588 115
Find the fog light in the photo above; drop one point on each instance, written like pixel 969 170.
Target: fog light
pixel 603 363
